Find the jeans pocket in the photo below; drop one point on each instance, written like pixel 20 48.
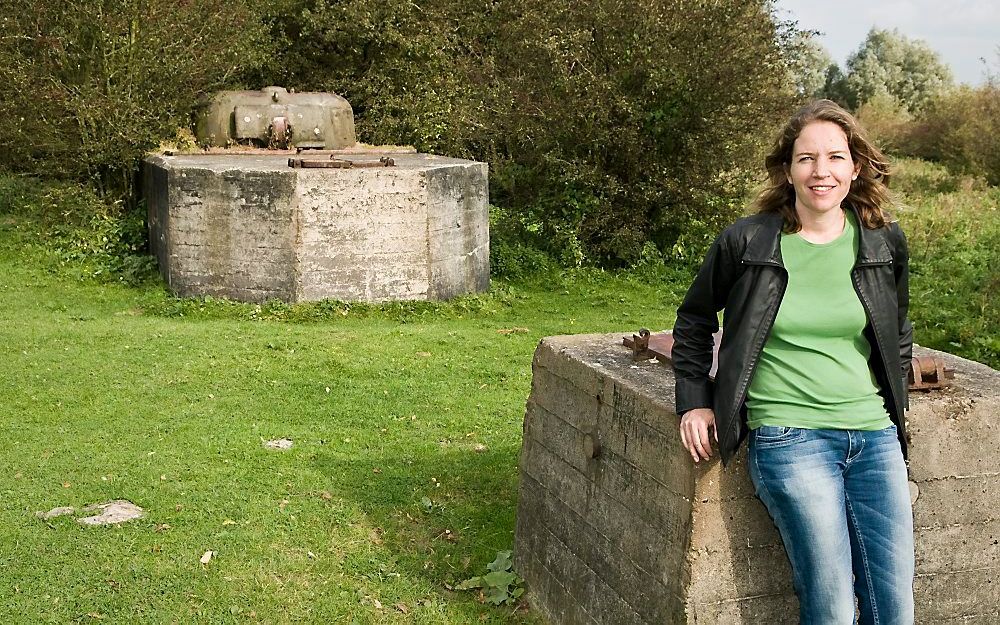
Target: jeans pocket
pixel 776 435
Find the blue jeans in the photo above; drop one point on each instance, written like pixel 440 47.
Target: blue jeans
pixel 841 502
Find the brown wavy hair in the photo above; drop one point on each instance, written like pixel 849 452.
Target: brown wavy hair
pixel 869 194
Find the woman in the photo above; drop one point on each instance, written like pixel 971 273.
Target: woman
pixel 812 367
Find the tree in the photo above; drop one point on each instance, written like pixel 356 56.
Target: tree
pixel 607 124
pixel 889 63
pixel 92 85
pixel 809 65
pixel 835 86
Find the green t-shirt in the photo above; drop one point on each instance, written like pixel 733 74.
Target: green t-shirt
pixel 813 371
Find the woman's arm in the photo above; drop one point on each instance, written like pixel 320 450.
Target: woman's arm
pixel 697 321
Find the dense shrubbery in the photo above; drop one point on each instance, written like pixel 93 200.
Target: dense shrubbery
pixel 962 130
pixel 607 124
pixel 86 235
pixel 89 86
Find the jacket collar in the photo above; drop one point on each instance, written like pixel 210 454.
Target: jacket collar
pixel 765 246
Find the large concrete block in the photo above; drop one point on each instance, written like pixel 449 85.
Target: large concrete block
pixel 617 525
pixel 248 227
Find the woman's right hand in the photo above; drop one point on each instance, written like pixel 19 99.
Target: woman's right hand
pixel 695 425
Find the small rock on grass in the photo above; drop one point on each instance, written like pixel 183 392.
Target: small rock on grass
pixel 281 443
pixel 55 512
pixel 112 513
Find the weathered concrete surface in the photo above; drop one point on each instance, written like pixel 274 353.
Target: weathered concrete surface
pixel 248 227
pixel 636 533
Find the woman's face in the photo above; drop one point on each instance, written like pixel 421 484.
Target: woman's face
pixel 821 170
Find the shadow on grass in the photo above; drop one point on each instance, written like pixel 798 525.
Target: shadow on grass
pixel 438 516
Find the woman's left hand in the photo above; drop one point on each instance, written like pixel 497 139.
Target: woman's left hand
pixel 695 425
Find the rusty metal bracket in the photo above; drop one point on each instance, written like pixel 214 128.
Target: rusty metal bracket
pixel 646 346
pixel 928 373
pixel 338 163
pixel 311 163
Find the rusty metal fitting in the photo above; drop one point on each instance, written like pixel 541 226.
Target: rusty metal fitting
pixel 338 163
pixel 279 133
pixel 927 373
pixel 639 345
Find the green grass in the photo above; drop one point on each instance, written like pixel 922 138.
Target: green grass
pixel 113 391
pixel 953 227
pixel 406 419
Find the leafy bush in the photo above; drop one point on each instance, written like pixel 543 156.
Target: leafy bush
pixel 92 85
pixel 89 236
pixel 887 121
pixel 606 125
pixel 962 130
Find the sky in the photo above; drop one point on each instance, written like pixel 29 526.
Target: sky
pixel 960 31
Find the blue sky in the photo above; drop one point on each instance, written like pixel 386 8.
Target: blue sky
pixel 960 31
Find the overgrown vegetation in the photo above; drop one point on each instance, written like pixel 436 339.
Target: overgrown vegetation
pixel 90 86
pixel 960 129
pixel 85 235
pixel 953 226
pixel 607 125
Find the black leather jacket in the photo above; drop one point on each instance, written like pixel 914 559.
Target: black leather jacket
pixel 744 275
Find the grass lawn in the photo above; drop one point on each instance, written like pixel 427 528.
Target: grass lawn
pixel 406 422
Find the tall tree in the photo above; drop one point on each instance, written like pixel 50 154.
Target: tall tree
pixel 809 65
pixel 888 63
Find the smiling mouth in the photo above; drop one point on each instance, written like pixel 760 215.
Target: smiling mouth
pixel 821 188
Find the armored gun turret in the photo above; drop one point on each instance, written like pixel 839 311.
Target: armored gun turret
pixel 277 118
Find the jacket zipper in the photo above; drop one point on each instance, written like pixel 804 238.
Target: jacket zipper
pixel 764 330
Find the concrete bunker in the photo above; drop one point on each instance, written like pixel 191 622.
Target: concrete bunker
pixel 615 524
pixel 292 208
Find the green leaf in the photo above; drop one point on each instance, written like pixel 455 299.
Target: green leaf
pixel 496 596
pixel 502 562
pixel 471 583
pixel 499 578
